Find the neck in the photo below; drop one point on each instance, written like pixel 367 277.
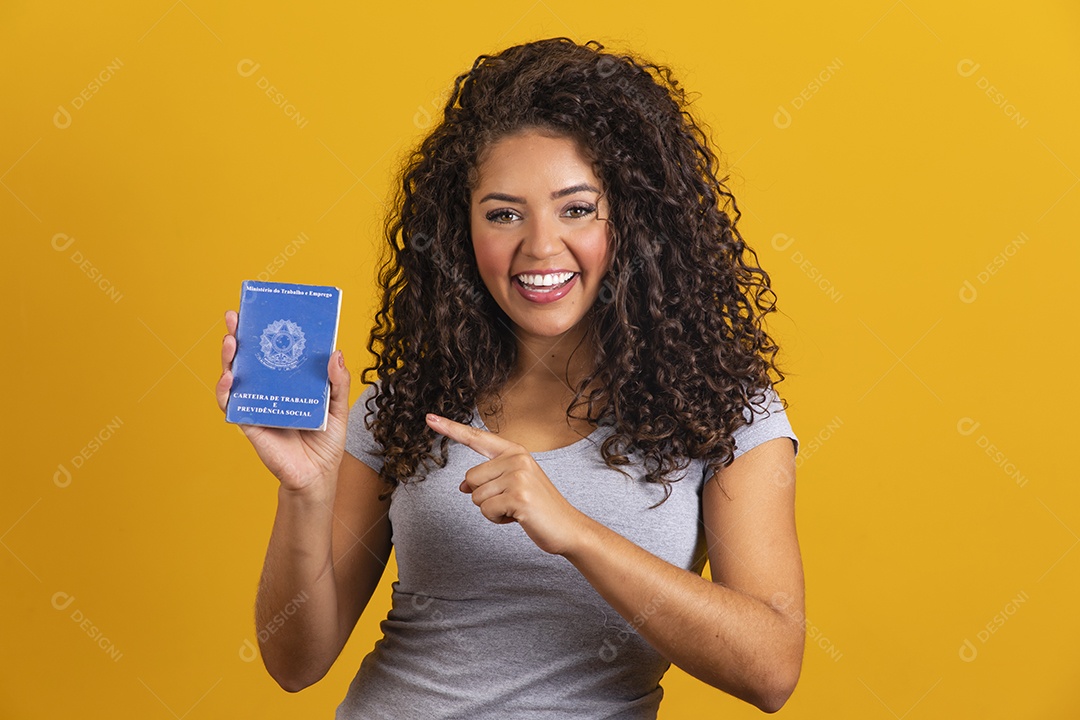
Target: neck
pixel 564 359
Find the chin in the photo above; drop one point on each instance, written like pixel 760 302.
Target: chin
pixel 544 321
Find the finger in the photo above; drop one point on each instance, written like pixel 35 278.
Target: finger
pixel 228 343
pixel 228 352
pixel 487 444
pixel 498 509
pixel 479 475
pixel 224 384
pixel 483 491
pixel 339 385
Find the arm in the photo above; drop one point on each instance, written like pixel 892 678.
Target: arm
pixel 326 555
pixel 741 632
pixel 331 535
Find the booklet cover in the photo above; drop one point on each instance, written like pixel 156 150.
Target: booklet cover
pixel 284 338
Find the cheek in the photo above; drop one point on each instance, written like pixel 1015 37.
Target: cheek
pixel 491 260
pixel 599 251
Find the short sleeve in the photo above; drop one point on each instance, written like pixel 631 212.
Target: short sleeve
pixel 764 424
pixel 358 440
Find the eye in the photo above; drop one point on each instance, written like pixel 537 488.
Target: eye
pixel 581 210
pixel 502 216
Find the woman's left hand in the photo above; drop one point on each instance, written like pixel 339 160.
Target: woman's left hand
pixel 511 487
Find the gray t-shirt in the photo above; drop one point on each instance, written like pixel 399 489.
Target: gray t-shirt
pixel 484 624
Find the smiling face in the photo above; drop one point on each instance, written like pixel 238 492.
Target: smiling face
pixel 539 232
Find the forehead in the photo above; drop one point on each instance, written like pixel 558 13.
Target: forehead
pixel 534 157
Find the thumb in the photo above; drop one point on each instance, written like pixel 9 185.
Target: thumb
pixel 339 385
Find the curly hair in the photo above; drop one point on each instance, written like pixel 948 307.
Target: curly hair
pixel 681 347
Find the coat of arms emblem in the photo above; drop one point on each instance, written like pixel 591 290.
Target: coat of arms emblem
pixel 282 345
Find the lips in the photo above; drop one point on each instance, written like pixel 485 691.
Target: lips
pixel 545 287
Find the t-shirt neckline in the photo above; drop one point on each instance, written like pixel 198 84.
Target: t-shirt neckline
pixel 554 452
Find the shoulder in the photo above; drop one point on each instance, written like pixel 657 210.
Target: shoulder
pixel 765 418
pixel 359 441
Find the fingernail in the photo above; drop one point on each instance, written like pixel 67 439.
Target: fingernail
pixel 341 359
pixel 433 419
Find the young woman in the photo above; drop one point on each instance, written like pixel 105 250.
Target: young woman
pixel 573 410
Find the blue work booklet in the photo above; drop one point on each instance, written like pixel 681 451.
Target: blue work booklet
pixel 284 339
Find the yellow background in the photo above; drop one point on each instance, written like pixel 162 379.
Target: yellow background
pixel 896 178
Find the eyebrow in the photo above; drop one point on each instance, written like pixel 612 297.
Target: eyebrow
pixel 503 197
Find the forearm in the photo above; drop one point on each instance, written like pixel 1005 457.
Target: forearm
pixel 296 608
pixel 729 639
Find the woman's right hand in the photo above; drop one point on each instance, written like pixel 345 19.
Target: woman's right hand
pixel 302 460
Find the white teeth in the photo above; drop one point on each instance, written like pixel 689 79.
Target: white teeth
pixel 548 280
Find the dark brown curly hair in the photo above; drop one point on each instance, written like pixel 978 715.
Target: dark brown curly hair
pixel 681 347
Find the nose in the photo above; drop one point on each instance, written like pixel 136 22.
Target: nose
pixel 543 237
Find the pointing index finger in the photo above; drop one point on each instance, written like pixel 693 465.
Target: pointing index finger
pixel 486 443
